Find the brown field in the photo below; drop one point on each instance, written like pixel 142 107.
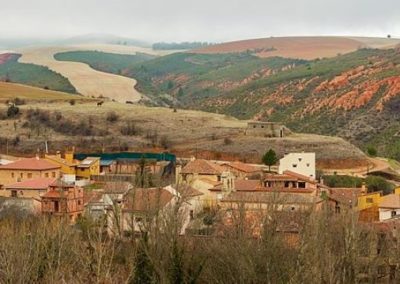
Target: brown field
pixel 300 47
pixel 9 91
pixel 184 132
pixel 87 81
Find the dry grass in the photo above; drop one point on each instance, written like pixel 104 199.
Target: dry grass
pixel 187 132
pixel 9 91
pixel 87 81
pixel 300 47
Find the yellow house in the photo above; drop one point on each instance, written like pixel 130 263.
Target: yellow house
pixel 368 200
pixel 88 167
pixel 68 164
pixel 397 191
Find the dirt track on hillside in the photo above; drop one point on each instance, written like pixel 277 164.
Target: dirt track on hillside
pixel 87 81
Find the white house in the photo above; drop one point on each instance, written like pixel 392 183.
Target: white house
pixel 300 163
pixel 389 207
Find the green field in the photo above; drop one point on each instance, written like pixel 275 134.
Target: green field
pixel 34 75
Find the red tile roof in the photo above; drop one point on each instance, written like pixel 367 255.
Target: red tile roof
pixel 32 164
pixel 147 199
pixel 36 183
pixel 246 168
pixel 200 166
pixel 391 201
pixel 345 195
pixel 52 194
pixel 92 197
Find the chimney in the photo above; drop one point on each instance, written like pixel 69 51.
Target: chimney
pixel 363 189
pixel 69 155
pixel 228 182
pixel 178 170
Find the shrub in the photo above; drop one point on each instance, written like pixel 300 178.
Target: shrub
pixel 228 141
pixel 165 142
pixel 12 111
pixel 129 129
pixel 112 117
pixel 371 151
pixel 72 102
pixel 19 102
pixel 375 183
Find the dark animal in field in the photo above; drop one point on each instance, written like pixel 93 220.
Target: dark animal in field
pixel 129 102
pixel 100 103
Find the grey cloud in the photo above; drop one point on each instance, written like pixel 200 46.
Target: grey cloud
pixel 209 20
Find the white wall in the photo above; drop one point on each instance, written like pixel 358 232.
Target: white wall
pixel 385 214
pixel 301 163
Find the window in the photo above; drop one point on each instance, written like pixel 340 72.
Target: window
pixel 294 165
pixel 56 206
pixel 393 213
pixel 13 193
pixel 300 159
pixel 29 175
pixel 308 164
pixel 12 175
pixel 46 175
pixel 53 174
pixel 302 185
pixel 254 126
pixel 191 214
pixel 369 200
pixel 21 175
pixel 79 202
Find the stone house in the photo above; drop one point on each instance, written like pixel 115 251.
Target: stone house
pixel 26 169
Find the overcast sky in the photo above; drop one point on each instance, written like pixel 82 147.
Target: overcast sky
pixel 206 20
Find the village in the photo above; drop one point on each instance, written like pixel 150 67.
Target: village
pixel 126 193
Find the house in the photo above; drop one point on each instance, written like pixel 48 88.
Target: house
pixel 301 163
pixel 30 188
pixel 25 169
pixel 264 200
pixel 63 200
pixel 389 207
pixel 94 203
pixel 290 181
pixel 88 167
pixel 341 199
pixel 138 210
pixel 241 170
pixel 199 168
pixel 267 129
pixel 67 164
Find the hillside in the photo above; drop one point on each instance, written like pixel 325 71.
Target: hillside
pixel 136 127
pixel 353 95
pixel 30 74
pixel 10 91
pixel 87 81
pixel 299 47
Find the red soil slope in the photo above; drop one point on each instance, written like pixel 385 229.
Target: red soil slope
pixel 6 57
pixel 289 47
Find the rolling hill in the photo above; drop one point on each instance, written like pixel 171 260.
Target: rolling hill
pixel 299 47
pixel 11 91
pixel 31 74
pixel 354 95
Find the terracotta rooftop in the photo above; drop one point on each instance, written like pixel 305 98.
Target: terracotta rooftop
pixel 200 166
pixel 242 167
pixel 147 199
pixel 345 195
pixel 32 164
pixel 391 201
pixel 242 185
pixel 92 197
pixel 272 197
pixel 52 194
pixel 117 187
pixel 36 183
